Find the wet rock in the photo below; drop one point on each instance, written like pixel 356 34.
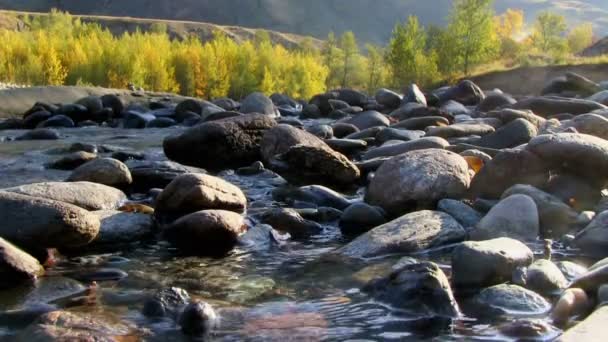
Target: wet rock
pixel 32 120
pixel 360 217
pixel 102 274
pixel 388 98
pixel 342 130
pixel 571 270
pixel 513 134
pixel 227 143
pixel 303 164
pixel 485 263
pixel 507 115
pixel 407 234
pixel 105 171
pixel 593 240
pixel 40 134
pixel 400 148
pixel 254 169
pixel 578 192
pixel 207 232
pixel 388 134
pixel 114 102
pixel 198 319
pixel 368 119
pixel 32 221
pixel 414 95
pixel 137 120
pixel 281 138
pixel 544 277
pixel 119 227
pixel 124 156
pixel 68 326
pixel 59 121
pixel 161 123
pixel 166 303
pixel 591 329
pixel 290 221
pixel 464 214
pixel 515 217
pixel 422 123
pixel 321 214
pixel 510 300
pixel 321 131
pixel 11 123
pixel 317 194
pixel 580 154
pixel 16 266
pixel 495 100
pixel 421 287
pixel 459 130
pixel 87 195
pixel 258 103
pixel 555 217
pixel 418 179
pixel 465 92
pixel 193 192
pixel 262 236
pixel 547 106
pixel 507 168
pixel 72 160
pixel 156 174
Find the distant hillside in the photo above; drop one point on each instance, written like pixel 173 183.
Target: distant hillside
pixel 176 29
pixel 371 20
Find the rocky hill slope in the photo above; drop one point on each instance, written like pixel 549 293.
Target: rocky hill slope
pixel 372 20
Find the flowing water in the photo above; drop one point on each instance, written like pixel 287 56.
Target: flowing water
pixel 288 292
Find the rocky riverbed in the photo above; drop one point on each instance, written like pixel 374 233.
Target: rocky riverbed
pixel 455 214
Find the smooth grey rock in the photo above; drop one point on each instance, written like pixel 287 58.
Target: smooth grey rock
pixel 544 277
pixel 119 227
pixel 515 217
pixel 106 171
pixel 407 234
pixel 290 221
pixel 403 147
pixel 464 214
pixel 16 266
pixel 510 300
pixel 258 103
pixel 360 217
pixel 593 240
pixel 513 134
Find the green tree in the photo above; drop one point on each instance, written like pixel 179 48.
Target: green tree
pixel 406 43
pixel 471 33
pixel 580 37
pixel 548 35
pixel 350 52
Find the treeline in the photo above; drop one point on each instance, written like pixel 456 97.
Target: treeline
pixel 59 49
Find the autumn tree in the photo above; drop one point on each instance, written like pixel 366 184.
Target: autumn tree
pixel 509 28
pixel 580 37
pixel 471 35
pixel 331 59
pixel 350 51
pixel 548 36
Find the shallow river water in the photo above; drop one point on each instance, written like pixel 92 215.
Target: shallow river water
pixel 289 292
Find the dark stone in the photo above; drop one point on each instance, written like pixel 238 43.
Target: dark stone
pixel 60 121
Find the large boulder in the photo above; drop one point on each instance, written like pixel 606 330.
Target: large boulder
pixel 221 144
pixel 515 217
pixel 207 232
pixel 418 179
pixel 304 164
pixel 420 287
pixel 156 174
pixel 391 150
pixel 105 171
pixel 580 154
pixel 547 106
pixel 281 138
pixel 193 192
pixel 555 216
pixel 486 263
pixel 593 240
pixel 408 234
pixel 87 195
pixel 16 266
pixel 258 103
pixel 507 168
pixel 31 221
pixel 544 277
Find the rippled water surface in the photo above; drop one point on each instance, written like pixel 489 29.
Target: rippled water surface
pixel 289 292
